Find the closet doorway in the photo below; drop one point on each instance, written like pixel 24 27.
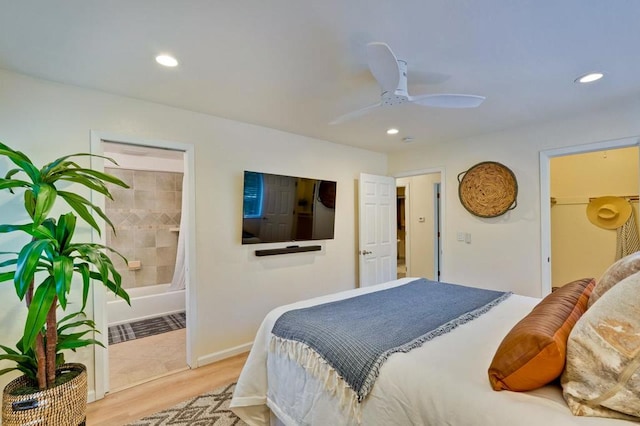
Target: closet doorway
pixel 569 199
pixel 579 247
pixel 419 225
pixel 151 338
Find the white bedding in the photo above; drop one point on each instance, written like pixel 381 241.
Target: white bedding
pixel 444 382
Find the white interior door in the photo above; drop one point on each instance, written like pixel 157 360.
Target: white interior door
pixel 378 240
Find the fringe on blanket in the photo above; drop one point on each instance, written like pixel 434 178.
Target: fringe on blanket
pixel 319 369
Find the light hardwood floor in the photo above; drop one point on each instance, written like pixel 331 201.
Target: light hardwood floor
pixel 139 401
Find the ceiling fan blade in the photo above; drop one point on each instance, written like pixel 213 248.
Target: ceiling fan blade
pixel 448 100
pixel 383 65
pixel 354 114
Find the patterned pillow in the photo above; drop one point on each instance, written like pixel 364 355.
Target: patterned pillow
pixel 532 354
pixel 602 376
pixel 614 274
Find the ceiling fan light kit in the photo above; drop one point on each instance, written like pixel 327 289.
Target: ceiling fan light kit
pixel 391 75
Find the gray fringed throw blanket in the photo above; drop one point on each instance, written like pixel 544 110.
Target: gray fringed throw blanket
pixel 355 336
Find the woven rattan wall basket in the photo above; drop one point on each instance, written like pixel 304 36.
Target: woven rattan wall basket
pixel 488 189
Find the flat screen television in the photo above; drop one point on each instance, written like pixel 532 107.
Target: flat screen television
pixel 278 208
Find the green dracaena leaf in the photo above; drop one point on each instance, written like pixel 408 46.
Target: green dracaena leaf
pixel 74 344
pixel 118 290
pixel 96 175
pixel 14 357
pixel 20 160
pixel 94 257
pixel 65 229
pixel 28 261
pixel 62 163
pixel 30 203
pixel 43 300
pixel 11 173
pixel 7 370
pixel 10 184
pixel 6 276
pixel 62 274
pixel 45 199
pixel 79 204
pixel 39 232
pixel 8 350
pixel 83 323
pixel 73 336
pixel 59 164
pixel 90 183
pixel 83 268
pixel 70 317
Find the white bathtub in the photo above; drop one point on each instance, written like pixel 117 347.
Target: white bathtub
pixel 146 302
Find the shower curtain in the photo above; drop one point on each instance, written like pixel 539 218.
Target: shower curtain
pixel 179 276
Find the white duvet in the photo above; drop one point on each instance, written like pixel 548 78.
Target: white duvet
pixel 444 382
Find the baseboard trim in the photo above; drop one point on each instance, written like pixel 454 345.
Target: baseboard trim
pixel 227 353
pixel 91 396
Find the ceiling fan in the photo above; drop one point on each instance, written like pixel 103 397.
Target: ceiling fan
pixel 391 74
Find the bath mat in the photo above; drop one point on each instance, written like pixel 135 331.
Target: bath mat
pixel 211 408
pixel 147 327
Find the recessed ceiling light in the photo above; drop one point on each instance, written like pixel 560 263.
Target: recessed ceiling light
pixel 589 78
pixel 392 131
pixel 166 60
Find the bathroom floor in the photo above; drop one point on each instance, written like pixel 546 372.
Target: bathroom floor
pixel 402 268
pixel 140 360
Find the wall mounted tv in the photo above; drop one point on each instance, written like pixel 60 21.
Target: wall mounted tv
pixel 279 208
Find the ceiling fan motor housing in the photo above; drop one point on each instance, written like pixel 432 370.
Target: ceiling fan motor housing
pixel 400 95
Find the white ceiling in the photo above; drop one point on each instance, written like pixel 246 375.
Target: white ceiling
pixel 296 65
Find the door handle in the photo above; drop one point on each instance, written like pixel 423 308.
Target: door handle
pixel 363 252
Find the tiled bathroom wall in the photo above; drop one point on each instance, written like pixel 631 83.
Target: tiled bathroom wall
pixel 146 217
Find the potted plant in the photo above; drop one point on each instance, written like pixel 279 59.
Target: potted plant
pixel 42 271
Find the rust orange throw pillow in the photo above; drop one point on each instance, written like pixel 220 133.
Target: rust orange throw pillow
pixel 533 353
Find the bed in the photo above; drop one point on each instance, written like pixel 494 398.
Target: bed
pixel 442 382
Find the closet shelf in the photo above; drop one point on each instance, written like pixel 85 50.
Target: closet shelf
pixel 586 200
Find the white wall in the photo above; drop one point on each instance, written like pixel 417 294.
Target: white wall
pixel 505 251
pixel 235 289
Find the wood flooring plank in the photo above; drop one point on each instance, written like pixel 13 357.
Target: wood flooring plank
pixel 131 404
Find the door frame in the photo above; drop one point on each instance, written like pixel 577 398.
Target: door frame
pixel 407 220
pixel 437 230
pixel 442 215
pixel 101 359
pixel 545 196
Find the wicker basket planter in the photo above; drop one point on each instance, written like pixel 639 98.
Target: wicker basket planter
pixel 488 189
pixel 63 405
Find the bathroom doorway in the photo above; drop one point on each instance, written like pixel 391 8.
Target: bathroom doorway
pixel 419 225
pixel 150 338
